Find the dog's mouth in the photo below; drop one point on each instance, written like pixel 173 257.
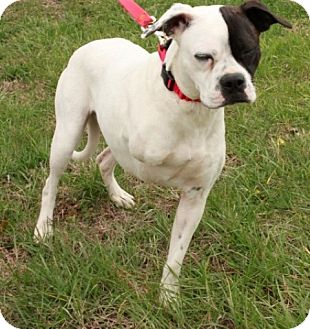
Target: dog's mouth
pixel 221 100
pixel 236 98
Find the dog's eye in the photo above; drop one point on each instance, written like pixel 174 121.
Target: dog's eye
pixel 204 57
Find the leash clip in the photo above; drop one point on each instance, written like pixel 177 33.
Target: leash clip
pixel 144 20
pixel 161 36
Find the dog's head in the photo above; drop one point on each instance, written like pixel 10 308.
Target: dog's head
pixel 216 48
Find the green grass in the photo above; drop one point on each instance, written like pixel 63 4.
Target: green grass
pixel 248 264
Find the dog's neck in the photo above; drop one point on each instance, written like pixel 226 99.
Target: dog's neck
pixel 174 64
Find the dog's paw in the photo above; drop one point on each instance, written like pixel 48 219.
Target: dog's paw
pixel 169 298
pixel 43 232
pixel 169 294
pixel 122 199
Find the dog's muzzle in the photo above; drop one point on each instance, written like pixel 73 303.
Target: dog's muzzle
pixel 233 88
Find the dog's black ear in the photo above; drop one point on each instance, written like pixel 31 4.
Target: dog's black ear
pixel 175 20
pixel 261 16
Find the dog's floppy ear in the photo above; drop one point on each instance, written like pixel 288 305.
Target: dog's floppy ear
pixel 174 20
pixel 261 16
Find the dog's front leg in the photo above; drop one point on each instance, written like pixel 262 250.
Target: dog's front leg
pixel 188 216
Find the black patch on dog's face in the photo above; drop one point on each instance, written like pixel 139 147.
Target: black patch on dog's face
pixel 243 38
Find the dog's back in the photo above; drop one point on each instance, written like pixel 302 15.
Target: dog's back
pixel 101 59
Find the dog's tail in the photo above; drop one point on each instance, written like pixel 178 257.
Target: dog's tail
pixel 93 131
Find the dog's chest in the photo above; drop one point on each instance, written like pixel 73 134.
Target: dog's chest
pixel 183 167
pixel 187 158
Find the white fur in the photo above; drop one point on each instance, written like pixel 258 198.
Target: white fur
pixel 116 86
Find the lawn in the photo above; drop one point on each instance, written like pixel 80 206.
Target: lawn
pixel 248 265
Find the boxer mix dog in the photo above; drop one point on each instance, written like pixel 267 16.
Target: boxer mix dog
pixel 118 89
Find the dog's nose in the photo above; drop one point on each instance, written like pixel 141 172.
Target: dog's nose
pixel 232 83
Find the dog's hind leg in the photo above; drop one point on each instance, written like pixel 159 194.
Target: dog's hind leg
pixel 106 163
pixel 64 142
pixel 72 113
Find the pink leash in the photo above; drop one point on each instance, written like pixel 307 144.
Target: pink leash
pixel 137 13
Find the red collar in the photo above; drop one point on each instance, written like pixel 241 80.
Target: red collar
pixel 168 78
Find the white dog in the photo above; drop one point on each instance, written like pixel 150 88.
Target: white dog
pixel 163 123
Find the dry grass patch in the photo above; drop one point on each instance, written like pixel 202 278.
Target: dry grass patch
pixel 11 259
pixel 11 86
pixel 54 8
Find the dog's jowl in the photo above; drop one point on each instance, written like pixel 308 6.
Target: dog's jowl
pixel 162 122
